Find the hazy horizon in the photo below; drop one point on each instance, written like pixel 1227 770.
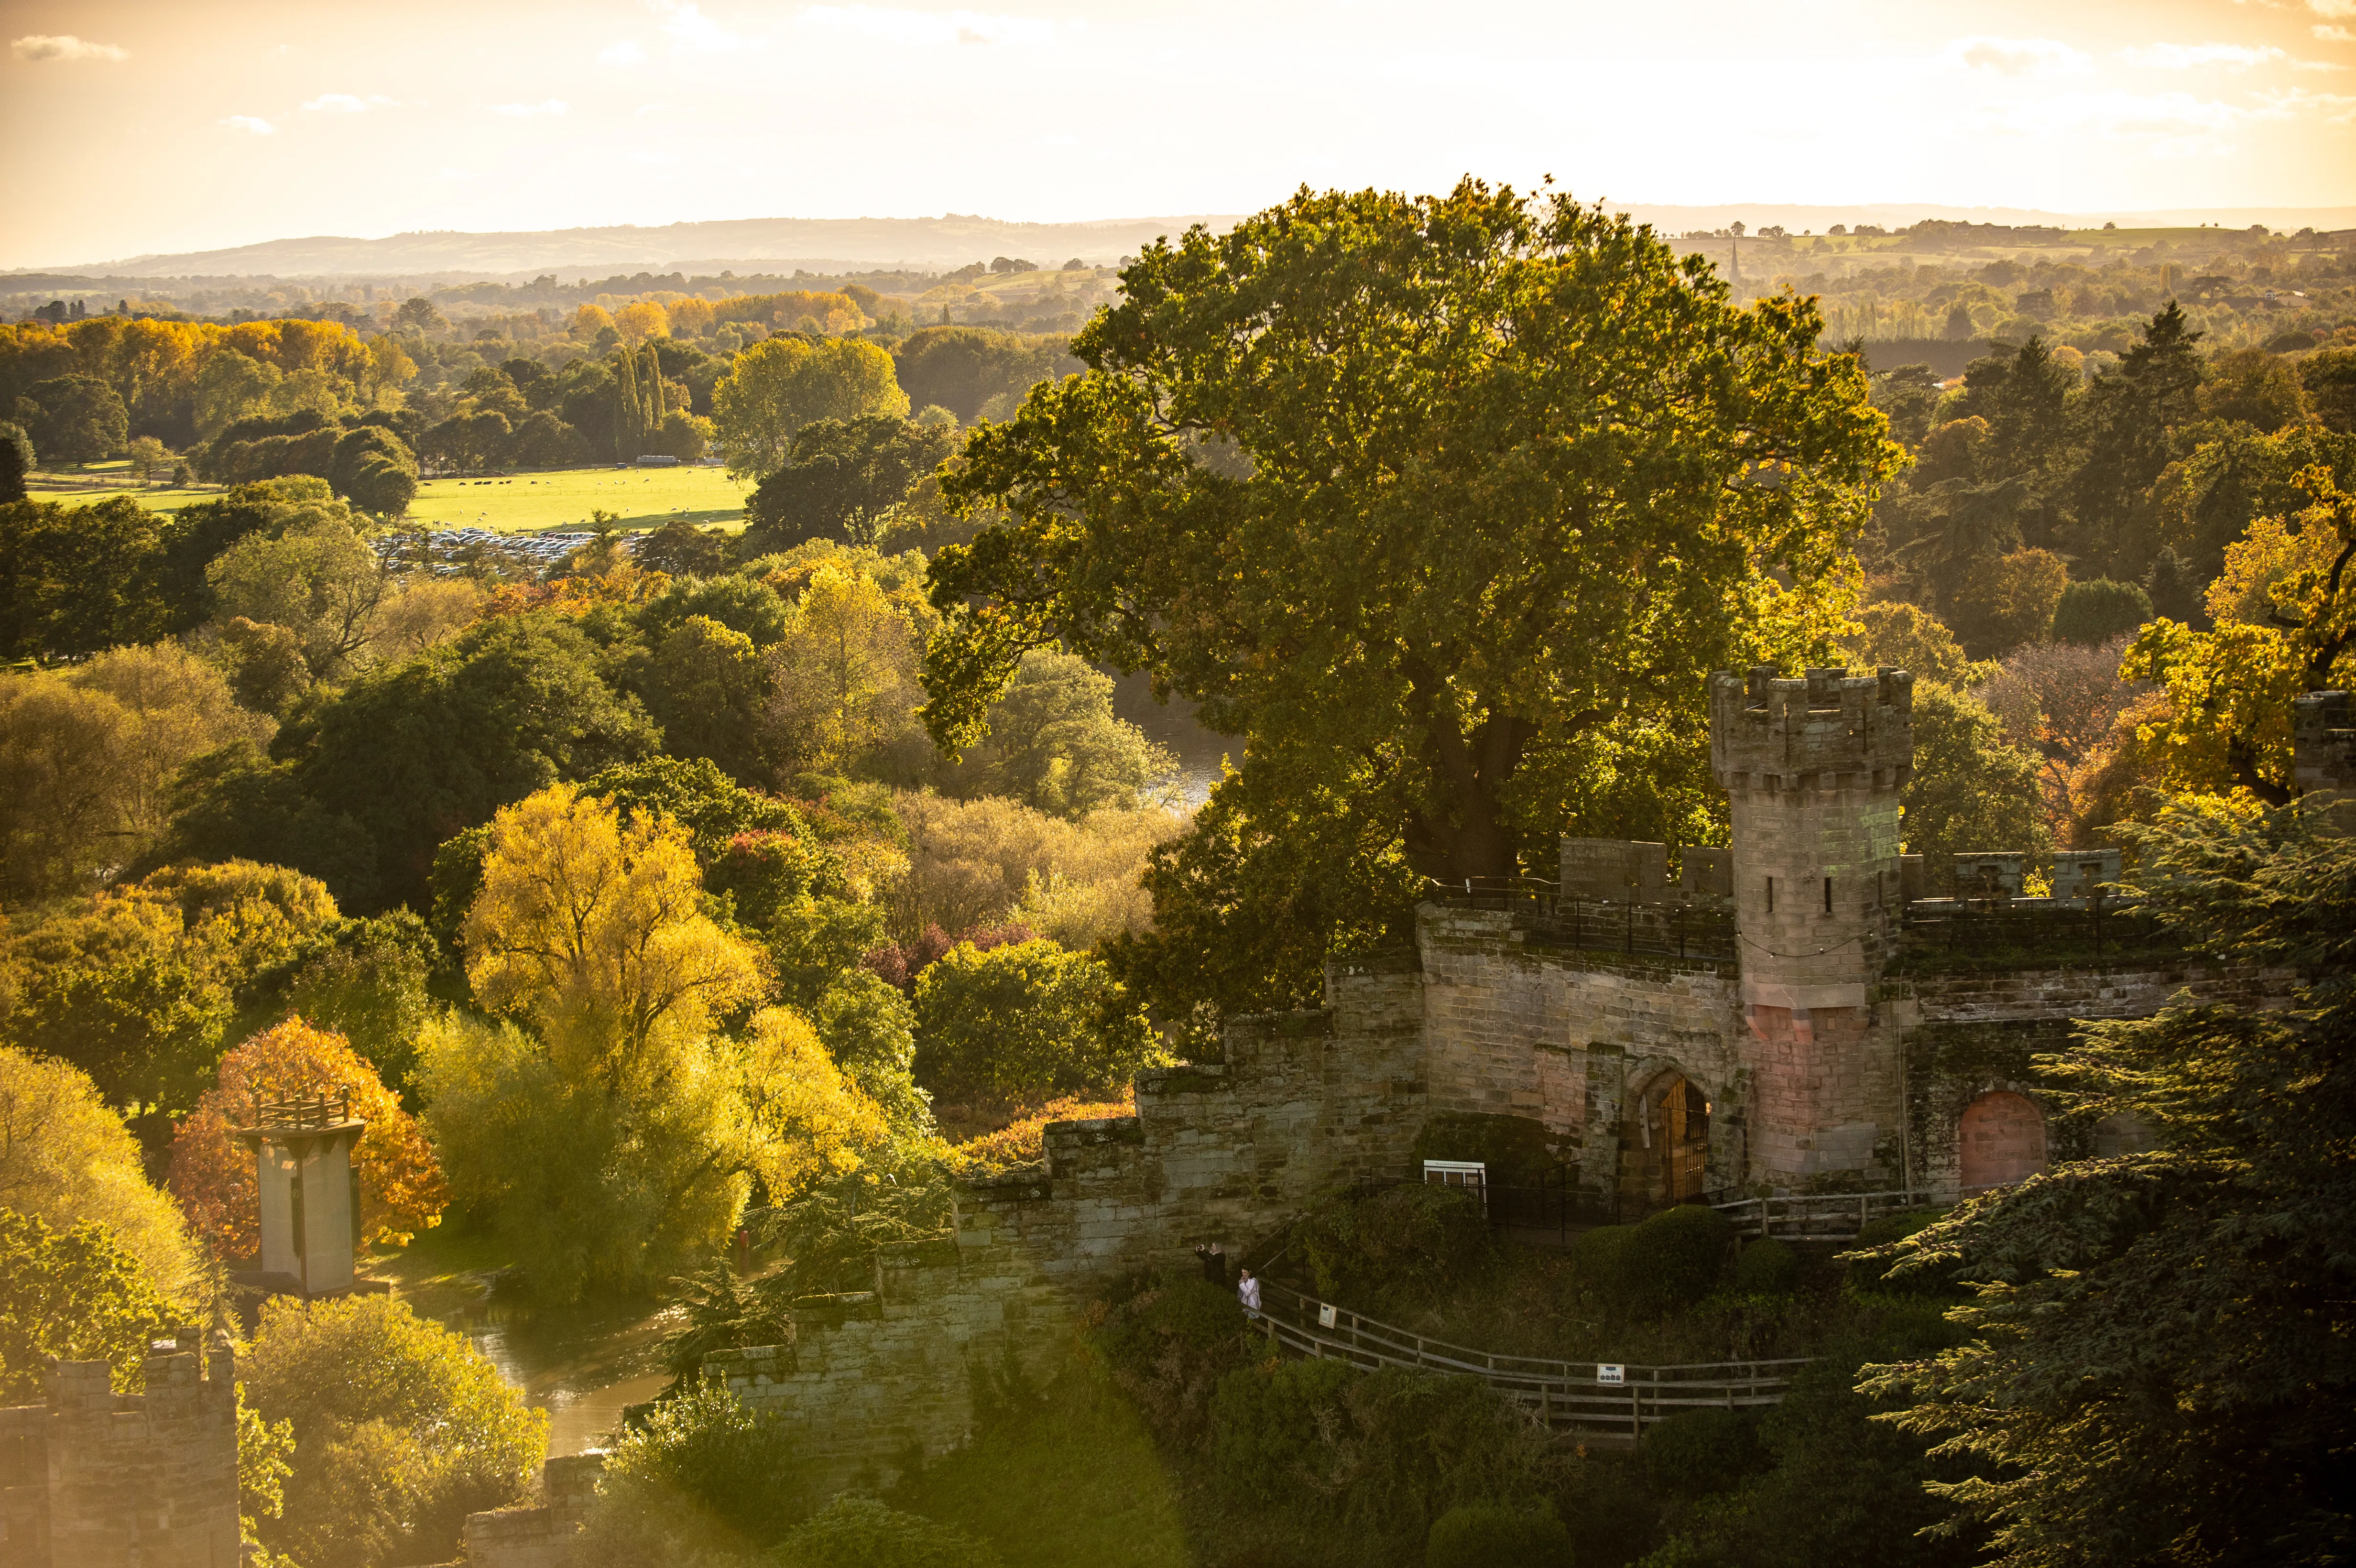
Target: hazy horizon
pixel 159 130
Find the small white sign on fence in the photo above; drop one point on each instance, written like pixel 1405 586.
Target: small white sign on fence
pixel 1610 1372
pixel 1326 1314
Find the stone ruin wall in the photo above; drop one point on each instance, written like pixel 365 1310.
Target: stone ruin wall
pixel 1571 1040
pixel 96 1479
pixel 1965 1036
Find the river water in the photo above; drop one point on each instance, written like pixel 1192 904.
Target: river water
pixel 582 1364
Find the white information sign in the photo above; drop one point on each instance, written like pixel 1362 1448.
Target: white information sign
pixel 1610 1372
pixel 1326 1315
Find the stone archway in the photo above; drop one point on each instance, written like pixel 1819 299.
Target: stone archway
pixel 1663 1146
pixel 2001 1140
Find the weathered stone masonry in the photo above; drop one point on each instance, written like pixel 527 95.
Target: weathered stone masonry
pixel 96 1479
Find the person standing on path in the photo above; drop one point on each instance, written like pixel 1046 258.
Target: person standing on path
pixel 1215 1270
pixel 1248 1292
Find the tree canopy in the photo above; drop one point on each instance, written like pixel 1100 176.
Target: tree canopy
pixel 1447 482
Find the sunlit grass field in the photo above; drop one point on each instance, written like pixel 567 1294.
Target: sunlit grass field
pixel 102 481
pixel 520 503
pixel 532 503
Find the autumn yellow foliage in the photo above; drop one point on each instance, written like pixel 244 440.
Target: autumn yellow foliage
pixel 596 929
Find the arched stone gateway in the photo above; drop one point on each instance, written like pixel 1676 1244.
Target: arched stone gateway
pixel 2002 1140
pixel 1665 1147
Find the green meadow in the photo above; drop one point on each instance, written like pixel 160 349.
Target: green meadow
pixel 519 503
pixel 534 503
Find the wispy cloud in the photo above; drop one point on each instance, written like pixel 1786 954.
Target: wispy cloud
pixel 2331 108
pixel 2021 56
pixel 253 123
pixel 2334 34
pixel 2195 56
pixel 627 52
pixel 2335 9
pixel 889 25
pixel 519 111
pixel 63 46
pixel 690 31
pixel 350 103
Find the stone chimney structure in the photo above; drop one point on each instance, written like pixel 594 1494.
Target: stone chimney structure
pixel 1813 769
pixel 310 1193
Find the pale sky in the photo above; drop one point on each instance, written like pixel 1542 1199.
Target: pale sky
pixel 140 127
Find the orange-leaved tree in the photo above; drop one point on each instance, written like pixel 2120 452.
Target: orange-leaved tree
pixel 402 1190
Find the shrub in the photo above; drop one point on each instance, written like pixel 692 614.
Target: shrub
pixel 1517 1151
pixel 1415 1445
pixel 1683 1250
pixel 1169 1344
pixel 700 1474
pixel 1485 1535
pixel 1412 1237
pixel 860 1532
pixel 1598 1259
pixel 2093 611
pixel 1697 1452
pixel 387 1466
pixel 1671 1260
pixel 1766 1267
pixel 1028 1018
pixel 1266 1422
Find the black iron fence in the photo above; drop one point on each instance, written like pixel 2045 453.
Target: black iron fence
pixel 1606 925
pixel 1555 1204
pixel 2060 929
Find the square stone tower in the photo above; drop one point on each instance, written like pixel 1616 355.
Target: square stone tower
pixel 1813 769
pixel 310 1193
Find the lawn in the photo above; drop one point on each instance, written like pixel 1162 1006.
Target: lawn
pixel 532 502
pixel 98 482
pixel 518 504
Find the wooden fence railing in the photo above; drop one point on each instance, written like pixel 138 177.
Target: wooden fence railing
pixel 1597 1401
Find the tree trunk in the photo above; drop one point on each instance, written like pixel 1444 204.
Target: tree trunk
pixel 1464 835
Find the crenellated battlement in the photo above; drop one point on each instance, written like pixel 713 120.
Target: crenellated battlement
pixel 96 1478
pixel 1768 731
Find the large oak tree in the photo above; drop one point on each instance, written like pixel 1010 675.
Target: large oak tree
pixel 1426 489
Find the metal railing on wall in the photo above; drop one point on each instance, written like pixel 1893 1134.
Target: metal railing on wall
pixel 1677 930
pixel 2100 927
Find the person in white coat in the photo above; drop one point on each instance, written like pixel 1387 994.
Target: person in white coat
pixel 1248 1292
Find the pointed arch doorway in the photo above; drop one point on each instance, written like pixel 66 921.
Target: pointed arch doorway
pixel 1664 1147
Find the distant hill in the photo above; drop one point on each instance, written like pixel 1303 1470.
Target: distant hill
pixel 836 245
pixel 759 244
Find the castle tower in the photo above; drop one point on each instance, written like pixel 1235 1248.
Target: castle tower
pixel 310 1193
pixel 1813 769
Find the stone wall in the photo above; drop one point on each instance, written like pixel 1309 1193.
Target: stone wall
pixel 878 1377
pixel 538 1535
pixel 1965 1036
pixel 97 1479
pixel 1571 1039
